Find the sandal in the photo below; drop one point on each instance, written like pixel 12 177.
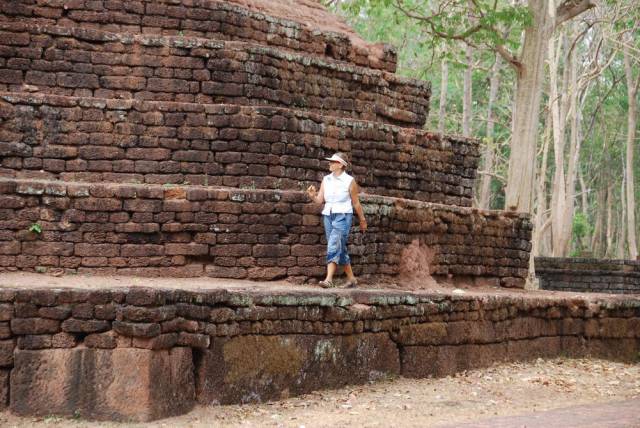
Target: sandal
pixel 351 283
pixel 327 284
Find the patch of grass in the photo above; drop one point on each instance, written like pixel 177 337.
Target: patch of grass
pixel 35 228
pixel 52 419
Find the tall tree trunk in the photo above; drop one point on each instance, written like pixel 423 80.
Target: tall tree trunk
pixel 467 93
pixel 489 148
pixel 557 101
pixel 622 221
pixel 564 109
pixel 632 91
pixel 574 153
pixel 540 227
pixel 444 83
pixel 610 232
pixel 597 241
pixel 530 74
pixel 527 107
pixel 584 193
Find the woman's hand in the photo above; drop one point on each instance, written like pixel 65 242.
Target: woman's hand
pixel 312 192
pixel 363 224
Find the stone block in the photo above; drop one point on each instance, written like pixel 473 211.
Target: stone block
pixel 124 384
pixel 34 326
pixel 105 340
pixel 439 361
pixel 422 334
pixel 4 389
pixel 6 352
pixel 260 368
pixel 132 329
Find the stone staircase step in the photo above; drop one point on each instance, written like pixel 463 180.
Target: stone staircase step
pixel 203 18
pixel 78 343
pixel 95 63
pixel 90 139
pixel 176 230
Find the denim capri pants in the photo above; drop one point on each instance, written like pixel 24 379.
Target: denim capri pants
pixel 336 230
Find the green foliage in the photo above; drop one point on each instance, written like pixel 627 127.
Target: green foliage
pixel 480 22
pixel 423 44
pixel 581 229
pixel 581 226
pixel 35 228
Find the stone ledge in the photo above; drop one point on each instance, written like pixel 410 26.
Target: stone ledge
pixel 243 233
pixel 207 19
pixel 55 137
pixel 202 71
pixel 275 343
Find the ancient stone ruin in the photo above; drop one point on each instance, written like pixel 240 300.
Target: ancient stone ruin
pixel 588 275
pixel 173 138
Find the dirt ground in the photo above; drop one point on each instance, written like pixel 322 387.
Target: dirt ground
pixel 502 390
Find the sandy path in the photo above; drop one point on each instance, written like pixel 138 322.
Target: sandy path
pixel 503 390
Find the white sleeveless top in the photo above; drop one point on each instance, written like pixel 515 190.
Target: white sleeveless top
pixel 336 194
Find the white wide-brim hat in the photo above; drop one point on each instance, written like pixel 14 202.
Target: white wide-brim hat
pixel 336 158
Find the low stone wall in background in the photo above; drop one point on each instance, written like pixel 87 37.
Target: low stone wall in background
pixel 589 275
pixel 92 140
pixel 94 63
pixel 137 354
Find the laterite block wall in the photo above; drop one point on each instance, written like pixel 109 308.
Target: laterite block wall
pixel 258 234
pixel 93 140
pixel 588 275
pixel 178 347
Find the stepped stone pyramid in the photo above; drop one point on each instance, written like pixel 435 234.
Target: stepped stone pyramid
pixel 175 138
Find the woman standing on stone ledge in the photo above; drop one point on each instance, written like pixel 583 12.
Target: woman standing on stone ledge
pixel 339 192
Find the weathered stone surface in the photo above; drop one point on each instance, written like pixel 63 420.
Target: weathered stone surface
pixel 266 23
pixel 163 341
pixel 350 91
pixel 422 334
pixel 438 361
pixel 194 340
pixel 119 384
pixel 260 368
pixel 34 326
pixel 441 168
pixel 6 352
pixel 63 340
pixel 136 329
pixel 84 326
pixel 588 275
pixel 4 389
pixel 400 230
pixel 105 340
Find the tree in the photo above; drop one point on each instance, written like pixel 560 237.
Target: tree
pixel 632 90
pixel 580 162
pixel 480 23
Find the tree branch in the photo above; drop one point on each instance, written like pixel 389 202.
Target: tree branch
pixel 508 57
pixel 494 175
pixel 571 8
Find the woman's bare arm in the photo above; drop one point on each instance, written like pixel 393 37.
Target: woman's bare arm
pixel 354 189
pixel 316 196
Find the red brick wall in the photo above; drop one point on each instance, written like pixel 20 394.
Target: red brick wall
pixel 83 139
pixel 418 335
pixel 193 231
pixel 207 19
pixel 84 62
pixel 588 275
